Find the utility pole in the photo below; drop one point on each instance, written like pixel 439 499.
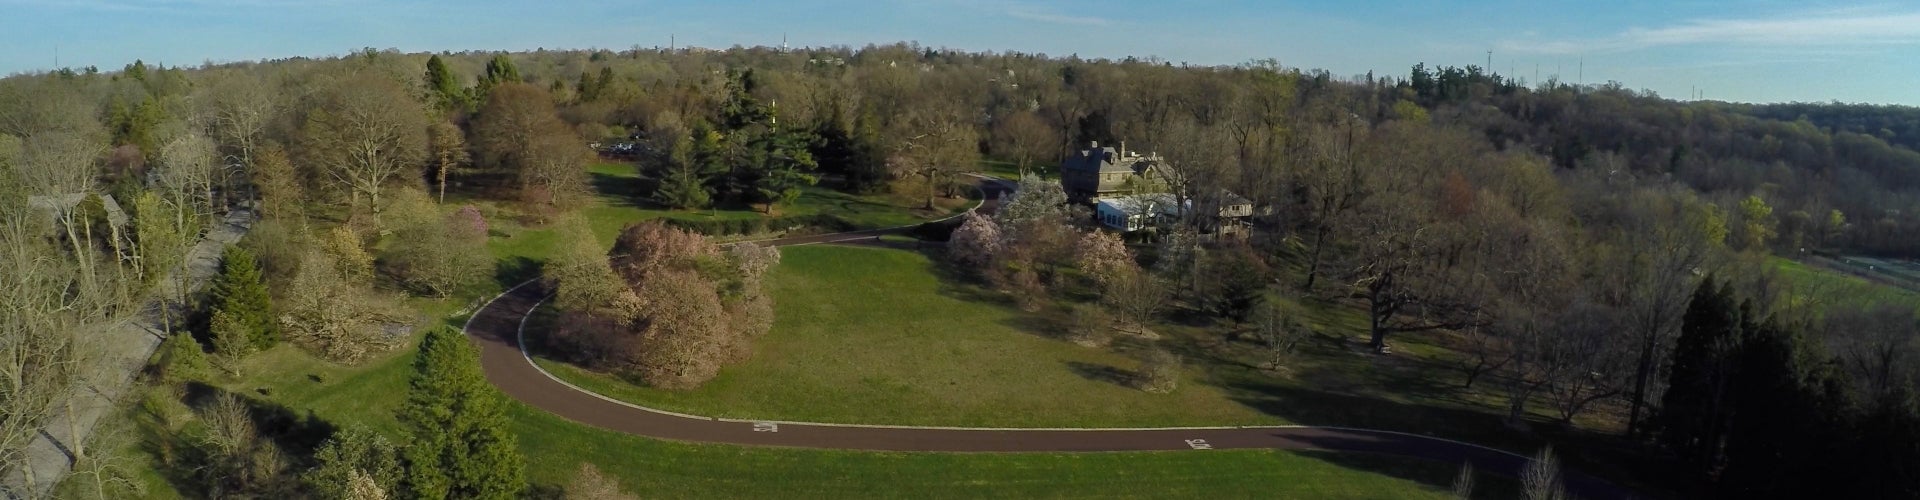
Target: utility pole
pixel 1582 78
pixel 1489 61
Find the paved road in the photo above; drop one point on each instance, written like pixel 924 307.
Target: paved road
pixel 123 352
pixel 497 328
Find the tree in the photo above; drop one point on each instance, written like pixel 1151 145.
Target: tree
pixel 518 131
pixel 1035 201
pixel 1025 137
pixel 460 444
pixel 240 291
pixel 1101 256
pixel 975 242
pixel 361 131
pixel 1135 296
pixel 438 255
pixel 280 188
pixel 936 145
pixel 231 340
pixel 1159 371
pixel 1230 281
pixel 1278 331
pixel 684 182
pixel 499 71
pixel 443 87
pixel 1757 227
pixel 1540 480
pixel 182 359
pixel 352 456
pixel 1694 415
pixel 446 151
pixel 241 107
pixel 326 312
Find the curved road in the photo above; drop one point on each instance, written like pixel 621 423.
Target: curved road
pixel 497 328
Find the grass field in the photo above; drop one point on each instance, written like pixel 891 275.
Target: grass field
pixel 1837 284
pixel 325 395
pixel 868 335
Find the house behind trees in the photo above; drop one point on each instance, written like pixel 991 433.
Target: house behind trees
pixel 1097 172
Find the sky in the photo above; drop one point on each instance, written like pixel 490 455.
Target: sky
pixel 1733 50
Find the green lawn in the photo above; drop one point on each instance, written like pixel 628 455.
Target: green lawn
pixel 868 335
pixel 1010 170
pixel 1838 285
pixel 325 395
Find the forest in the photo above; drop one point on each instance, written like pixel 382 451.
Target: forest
pixel 1596 245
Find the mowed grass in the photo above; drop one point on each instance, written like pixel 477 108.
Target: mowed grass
pixel 1839 285
pixel 876 336
pixel 662 469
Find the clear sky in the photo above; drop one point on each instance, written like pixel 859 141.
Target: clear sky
pixel 1740 50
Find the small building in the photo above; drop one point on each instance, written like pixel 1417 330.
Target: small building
pixel 1133 212
pixel 1130 213
pixel 1097 172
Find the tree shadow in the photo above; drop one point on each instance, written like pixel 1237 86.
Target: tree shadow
pixel 1103 373
pixel 515 270
pixel 1438 474
pixel 622 190
pixel 1624 466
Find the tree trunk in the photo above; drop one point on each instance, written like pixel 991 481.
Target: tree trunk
pixel 1313 259
pixel 1641 372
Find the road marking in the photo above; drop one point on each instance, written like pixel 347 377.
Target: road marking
pixel 1199 444
pixel 766 427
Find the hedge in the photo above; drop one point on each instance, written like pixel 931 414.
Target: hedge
pixel 761 225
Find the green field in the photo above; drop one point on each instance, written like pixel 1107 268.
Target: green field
pixel 868 335
pixel 316 395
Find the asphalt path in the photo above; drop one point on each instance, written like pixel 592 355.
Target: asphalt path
pixel 498 329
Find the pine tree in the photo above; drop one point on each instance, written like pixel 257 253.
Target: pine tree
pixel 1693 415
pixel 182 359
pixel 443 86
pixel 241 293
pixel 460 446
pixel 785 167
pixel 683 184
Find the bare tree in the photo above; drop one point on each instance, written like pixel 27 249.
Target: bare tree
pixel 447 150
pixel 1541 478
pixel 1025 137
pixel 1135 297
pixel 239 107
pixel 362 131
pixel 936 144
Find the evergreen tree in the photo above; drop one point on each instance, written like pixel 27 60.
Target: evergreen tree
pixel 785 167
pixel 1789 416
pixel 1693 416
pixel 709 156
pixel 182 359
pixel 460 445
pixel 682 184
pixel 241 293
pixel 443 86
pixel 500 70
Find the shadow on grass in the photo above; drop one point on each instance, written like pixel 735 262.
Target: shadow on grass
pixel 1433 473
pixel 1591 453
pixel 623 191
pixel 1102 373
pixel 187 457
pixel 515 270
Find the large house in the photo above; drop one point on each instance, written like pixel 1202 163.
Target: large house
pixel 1097 172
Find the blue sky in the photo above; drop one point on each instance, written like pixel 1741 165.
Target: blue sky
pixel 1741 50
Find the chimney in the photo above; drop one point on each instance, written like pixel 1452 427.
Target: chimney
pixel 1123 149
pixel 1094 145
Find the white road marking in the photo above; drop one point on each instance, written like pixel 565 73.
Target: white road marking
pixel 1199 444
pixel 766 427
